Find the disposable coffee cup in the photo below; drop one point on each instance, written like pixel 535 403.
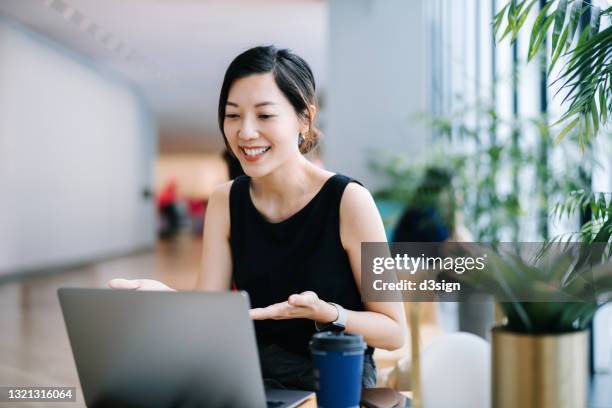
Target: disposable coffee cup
pixel 338 368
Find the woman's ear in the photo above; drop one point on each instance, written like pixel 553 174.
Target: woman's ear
pixel 312 112
pixel 309 115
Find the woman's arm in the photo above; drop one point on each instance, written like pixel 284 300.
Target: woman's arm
pixel 383 324
pixel 216 270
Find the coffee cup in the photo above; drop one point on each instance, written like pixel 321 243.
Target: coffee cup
pixel 338 368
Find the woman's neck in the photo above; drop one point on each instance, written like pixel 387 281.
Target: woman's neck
pixel 288 189
pixel 286 182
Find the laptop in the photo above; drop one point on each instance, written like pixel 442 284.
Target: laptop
pixel 167 349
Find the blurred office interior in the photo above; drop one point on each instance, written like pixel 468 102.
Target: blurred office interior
pixel 110 147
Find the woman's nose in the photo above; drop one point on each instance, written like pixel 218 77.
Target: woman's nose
pixel 247 131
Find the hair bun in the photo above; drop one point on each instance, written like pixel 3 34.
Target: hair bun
pixel 311 140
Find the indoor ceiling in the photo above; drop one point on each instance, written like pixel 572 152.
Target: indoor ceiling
pixel 176 51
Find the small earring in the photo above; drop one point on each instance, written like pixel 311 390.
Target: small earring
pixel 300 139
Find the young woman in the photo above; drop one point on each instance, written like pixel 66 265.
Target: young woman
pixel 288 232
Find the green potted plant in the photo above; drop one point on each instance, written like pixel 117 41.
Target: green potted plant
pixel 540 352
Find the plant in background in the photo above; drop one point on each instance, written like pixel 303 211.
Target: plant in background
pixel 479 160
pixel 598 205
pixel 420 184
pixel 586 76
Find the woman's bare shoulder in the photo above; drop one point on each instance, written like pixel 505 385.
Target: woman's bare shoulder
pixel 355 197
pixel 222 191
pixel 218 202
pixel 359 217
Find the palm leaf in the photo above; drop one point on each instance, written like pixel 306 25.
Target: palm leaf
pixel 538 35
pixel 566 130
pixel 603 109
pixel 557 50
pixel 539 29
pixel 520 18
pixel 574 19
pixel 499 18
pixel 559 20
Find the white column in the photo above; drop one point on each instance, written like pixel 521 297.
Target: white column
pixel 377 83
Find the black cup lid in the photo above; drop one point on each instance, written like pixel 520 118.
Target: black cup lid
pixel 333 341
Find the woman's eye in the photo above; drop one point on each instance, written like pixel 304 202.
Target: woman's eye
pixel 264 116
pixel 231 115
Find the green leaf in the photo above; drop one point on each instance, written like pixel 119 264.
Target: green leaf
pixel 534 47
pixel 511 11
pixel 587 316
pixel 603 109
pixel 581 93
pixel 506 32
pixel 576 53
pixel 600 40
pixel 584 36
pixel 559 20
pixel 537 31
pixel 557 51
pixel 603 235
pixel 573 23
pixel 521 18
pixel 576 315
pixel 595 19
pixel 584 136
pixel 601 204
pixel 510 18
pixel 587 64
pixel 595 115
pixel 499 18
pixel 566 129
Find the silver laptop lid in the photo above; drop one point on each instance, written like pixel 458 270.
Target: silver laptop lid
pixel 163 349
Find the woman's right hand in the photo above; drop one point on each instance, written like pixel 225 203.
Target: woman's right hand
pixel 138 284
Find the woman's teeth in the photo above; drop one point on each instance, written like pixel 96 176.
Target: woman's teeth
pixel 255 152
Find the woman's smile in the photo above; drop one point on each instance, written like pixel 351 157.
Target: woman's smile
pixel 254 153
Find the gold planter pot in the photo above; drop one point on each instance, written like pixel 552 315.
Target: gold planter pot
pixel 539 371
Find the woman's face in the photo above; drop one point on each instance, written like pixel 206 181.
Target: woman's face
pixel 261 125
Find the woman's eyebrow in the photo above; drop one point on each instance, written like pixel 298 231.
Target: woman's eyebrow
pixel 264 104
pixel 234 104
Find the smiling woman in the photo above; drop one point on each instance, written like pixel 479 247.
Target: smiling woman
pixel 288 232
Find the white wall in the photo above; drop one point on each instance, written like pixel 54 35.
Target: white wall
pixel 76 151
pixel 377 82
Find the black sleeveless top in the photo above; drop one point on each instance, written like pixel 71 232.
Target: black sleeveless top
pixel 272 261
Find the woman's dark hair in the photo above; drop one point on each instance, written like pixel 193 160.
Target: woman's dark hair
pixel 233 165
pixel 292 75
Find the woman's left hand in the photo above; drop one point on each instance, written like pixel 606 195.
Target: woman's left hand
pixel 305 305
